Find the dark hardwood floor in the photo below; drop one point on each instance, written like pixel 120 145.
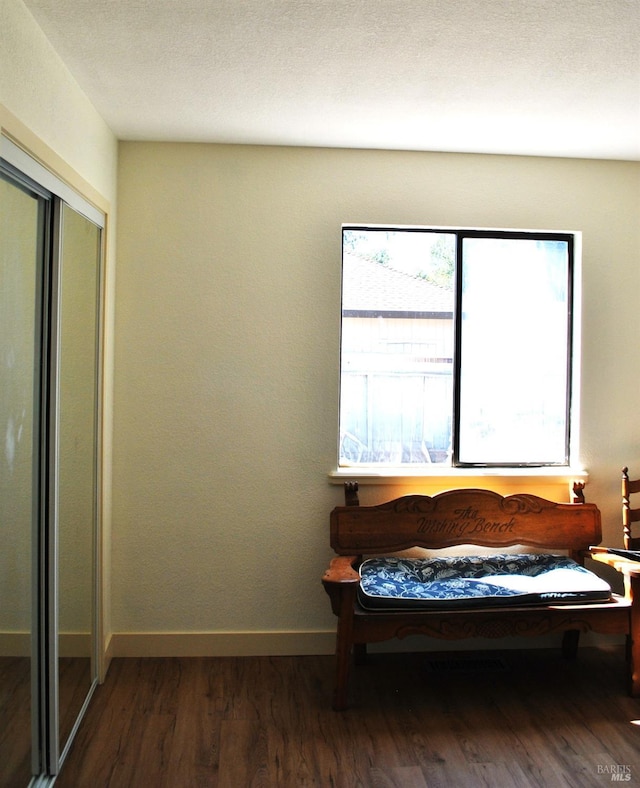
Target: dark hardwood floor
pixel 15 736
pixel 15 711
pixel 469 719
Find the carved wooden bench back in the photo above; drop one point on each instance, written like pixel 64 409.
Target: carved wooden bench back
pixel 477 517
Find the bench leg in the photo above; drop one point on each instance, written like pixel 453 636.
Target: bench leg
pixel 570 640
pixel 343 660
pixel 344 645
pixel 633 640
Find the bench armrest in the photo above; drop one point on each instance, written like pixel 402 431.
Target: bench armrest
pixel 622 564
pixel 341 570
pixel 341 581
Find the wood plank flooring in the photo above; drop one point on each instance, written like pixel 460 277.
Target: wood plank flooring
pixel 15 736
pixel 74 676
pixel 509 719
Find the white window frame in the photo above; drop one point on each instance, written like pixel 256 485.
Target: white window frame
pixel 570 472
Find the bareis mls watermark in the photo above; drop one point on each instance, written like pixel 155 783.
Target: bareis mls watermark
pixel 619 773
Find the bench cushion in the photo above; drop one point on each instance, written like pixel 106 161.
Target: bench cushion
pixel 477 581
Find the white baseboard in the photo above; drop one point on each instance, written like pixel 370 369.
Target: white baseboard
pixel 15 644
pixel 219 644
pixel 70 644
pixel 256 644
pixel 75 644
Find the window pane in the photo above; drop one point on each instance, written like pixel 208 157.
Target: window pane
pixel 514 351
pixel 397 346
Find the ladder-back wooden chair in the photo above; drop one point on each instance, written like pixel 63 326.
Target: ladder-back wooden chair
pixel 630 514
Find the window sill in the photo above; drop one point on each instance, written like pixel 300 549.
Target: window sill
pixel 459 477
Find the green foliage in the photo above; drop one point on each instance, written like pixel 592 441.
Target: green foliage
pixel 442 262
pixel 359 242
pixel 436 255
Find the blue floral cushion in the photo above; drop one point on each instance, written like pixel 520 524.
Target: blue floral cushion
pixel 477 581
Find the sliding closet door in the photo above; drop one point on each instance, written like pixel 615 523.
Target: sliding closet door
pixel 50 273
pixel 21 246
pixel 77 366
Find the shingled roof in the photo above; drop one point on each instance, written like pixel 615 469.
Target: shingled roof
pixel 371 287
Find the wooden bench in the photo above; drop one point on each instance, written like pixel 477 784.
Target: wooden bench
pixel 468 517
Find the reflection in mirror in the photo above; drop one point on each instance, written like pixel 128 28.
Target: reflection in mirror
pixel 19 222
pixel 77 445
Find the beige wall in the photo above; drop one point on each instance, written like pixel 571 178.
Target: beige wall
pixel 227 341
pixel 44 110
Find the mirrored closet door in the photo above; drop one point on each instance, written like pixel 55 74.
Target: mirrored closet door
pixel 77 366
pixel 20 275
pixel 50 264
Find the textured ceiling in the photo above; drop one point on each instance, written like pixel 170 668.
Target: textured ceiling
pixel 541 77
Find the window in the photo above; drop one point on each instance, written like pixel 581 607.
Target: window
pixel 456 347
